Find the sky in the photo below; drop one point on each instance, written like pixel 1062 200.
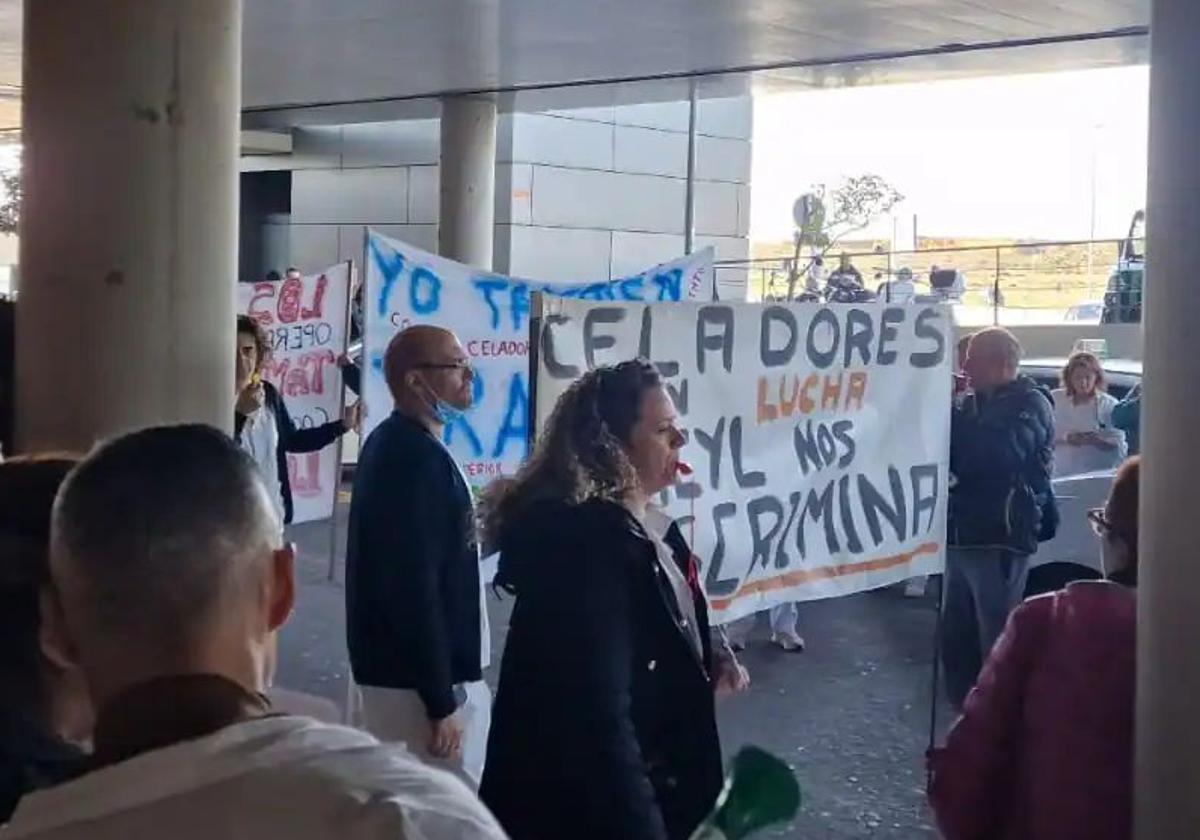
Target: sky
pixel 1011 157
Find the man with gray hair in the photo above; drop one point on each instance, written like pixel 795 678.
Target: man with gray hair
pixel 171 581
pixel 1001 501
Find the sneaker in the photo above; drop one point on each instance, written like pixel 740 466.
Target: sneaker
pixel 737 645
pixel 915 588
pixel 789 641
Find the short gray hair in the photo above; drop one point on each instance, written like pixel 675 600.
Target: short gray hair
pixel 152 531
pixel 1001 342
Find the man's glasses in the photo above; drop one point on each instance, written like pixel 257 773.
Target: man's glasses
pixel 461 365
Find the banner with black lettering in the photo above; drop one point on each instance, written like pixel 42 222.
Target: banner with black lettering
pixel 489 313
pixel 305 322
pixel 818 435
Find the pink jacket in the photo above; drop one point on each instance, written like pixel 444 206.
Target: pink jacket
pixel 1044 748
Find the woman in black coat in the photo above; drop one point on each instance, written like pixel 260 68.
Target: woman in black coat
pixel 604 722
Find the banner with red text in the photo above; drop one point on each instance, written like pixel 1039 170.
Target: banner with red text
pixel 490 314
pixel 305 323
pixel 819 435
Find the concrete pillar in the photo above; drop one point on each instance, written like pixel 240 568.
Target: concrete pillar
pixel 468 180
pixel 129 227
pixel 1168 728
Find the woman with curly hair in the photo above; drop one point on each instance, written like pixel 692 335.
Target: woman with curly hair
pixel 1085 438
pixel 604 722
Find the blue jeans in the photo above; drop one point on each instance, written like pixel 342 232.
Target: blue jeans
pixel 982 587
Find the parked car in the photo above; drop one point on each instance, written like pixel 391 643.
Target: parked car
pixel 1085 313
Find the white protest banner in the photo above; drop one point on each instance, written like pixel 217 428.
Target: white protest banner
pixel 819 435
pixel 305 323
pixel 490 315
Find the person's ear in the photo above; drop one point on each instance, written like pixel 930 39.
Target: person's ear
pixel 283 586
pixel 53 637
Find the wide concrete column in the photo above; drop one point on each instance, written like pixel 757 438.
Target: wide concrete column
pixel 467 217
pixel 1168 728
pixel 129 227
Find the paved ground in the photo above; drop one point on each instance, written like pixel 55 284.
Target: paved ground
pixel 851 714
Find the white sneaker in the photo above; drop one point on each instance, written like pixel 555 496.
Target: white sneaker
pixel 915 588
pixel 789 640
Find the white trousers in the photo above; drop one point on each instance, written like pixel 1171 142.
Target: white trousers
pixel 783 620
pixel 395 715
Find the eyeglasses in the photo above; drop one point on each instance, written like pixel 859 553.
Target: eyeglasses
pixel 462 365
pixel 1099 522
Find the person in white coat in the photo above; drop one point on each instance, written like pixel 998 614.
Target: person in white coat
pixel 170 581
pixel 1085 439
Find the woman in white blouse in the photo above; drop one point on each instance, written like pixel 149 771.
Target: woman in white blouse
pixel 1085 438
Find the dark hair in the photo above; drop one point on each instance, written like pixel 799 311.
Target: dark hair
pixel 1077 360
pixel 273 276
pixel 152 528
pixel 27 490
pixel 580 454
pixel 248 326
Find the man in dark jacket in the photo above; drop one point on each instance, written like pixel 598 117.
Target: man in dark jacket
pixel 1001 502
pixel 414 609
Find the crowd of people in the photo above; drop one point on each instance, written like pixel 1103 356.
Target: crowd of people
pixel 1044 744
pixel 143 587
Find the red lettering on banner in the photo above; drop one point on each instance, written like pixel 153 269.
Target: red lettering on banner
pixel 304 474
pixel 318 299
pixel 288 306
pixel 474 469
pixel 487 348
pixel 301 374
pixel 261 291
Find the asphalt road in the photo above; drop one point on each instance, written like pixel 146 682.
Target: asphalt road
pixel 851 714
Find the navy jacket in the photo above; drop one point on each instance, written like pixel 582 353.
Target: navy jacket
pixel 604 726
pixel 412 568
pixel 1001 456
pixel 291 439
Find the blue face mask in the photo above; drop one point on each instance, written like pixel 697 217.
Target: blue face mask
pixel 441 410
pixel 444 412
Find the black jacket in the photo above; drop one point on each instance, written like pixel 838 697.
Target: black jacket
pixel 412 568
pixel 1001 456
pixel 604 723
pixel 291 439
pixel 31 758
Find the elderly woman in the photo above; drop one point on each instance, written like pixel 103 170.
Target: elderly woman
pixel 1044 748
pixel 1085 438
pixel 604 723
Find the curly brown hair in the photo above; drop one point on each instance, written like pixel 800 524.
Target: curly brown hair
pixel 248 326
pixel 580 454
pixel 1078 360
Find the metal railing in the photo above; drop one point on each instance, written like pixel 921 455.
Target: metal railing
pixel 1015 283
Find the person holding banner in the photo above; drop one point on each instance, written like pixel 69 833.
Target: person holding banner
pixel 415 617
pixel 262 425
pixel 604 725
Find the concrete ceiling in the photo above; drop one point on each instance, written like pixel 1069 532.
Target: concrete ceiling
pixel 316 60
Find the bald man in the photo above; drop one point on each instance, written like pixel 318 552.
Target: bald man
pixel 170 582
pixel 1001 501
pixel 415 616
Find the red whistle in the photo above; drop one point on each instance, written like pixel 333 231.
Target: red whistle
pixel 683 468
